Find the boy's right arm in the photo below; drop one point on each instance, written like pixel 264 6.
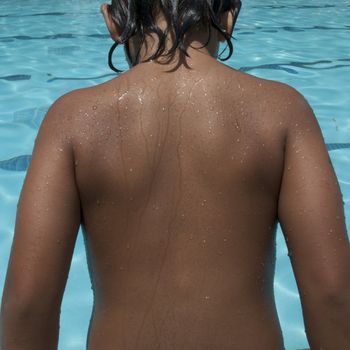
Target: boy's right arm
pixel 311 215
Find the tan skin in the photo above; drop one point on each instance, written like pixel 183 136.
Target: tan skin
pixel 178 180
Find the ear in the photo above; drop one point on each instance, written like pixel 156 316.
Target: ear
pixel 228 19
pixel 113 29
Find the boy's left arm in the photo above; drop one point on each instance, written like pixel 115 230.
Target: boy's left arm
pixel 47 222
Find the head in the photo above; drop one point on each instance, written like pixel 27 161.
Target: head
pixel 164 28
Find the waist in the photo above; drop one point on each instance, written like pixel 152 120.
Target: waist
pixel 166 324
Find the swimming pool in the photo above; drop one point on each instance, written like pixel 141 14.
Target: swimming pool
pixel 50 47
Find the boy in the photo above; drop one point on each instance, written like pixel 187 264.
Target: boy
pixel 178 172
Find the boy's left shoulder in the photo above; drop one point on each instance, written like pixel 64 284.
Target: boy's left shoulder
pixel 69 106
pixel 65 112
pixel 74 98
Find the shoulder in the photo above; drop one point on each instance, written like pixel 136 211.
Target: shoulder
pixel 66 106
pixel 268 88
pixel 79 99
pixel 282 94
pixel 68 109
pixel 61 122
pixel 289 103
pixel 73 100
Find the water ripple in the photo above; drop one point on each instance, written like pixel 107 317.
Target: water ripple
pixel 16 77
pixel 306 65
pixel 20 163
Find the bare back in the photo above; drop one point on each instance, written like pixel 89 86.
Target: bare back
pixel 179 175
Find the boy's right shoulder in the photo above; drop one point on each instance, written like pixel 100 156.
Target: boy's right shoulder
pixel 275 93
pixel 273 88
pixel 282 102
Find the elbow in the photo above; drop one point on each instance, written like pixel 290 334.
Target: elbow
pixel 336 295
pixel 24 326
pixel 24 309
pixel 338 300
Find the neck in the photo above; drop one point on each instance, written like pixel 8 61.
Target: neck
pixel 194 42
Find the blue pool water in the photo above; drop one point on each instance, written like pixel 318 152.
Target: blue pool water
pixel 50 47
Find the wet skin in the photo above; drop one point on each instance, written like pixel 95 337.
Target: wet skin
pixel 178 180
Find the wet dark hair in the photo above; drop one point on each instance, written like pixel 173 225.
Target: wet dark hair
pixel 138 17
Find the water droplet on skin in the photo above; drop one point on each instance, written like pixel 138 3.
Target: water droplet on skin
pixel 238 127
pixel 60 149
pixel 330 232
pixel 203 202
pixel 225 239
pixel 122 96
pixel 207 297
pixel 94 108
pixel 131 170
pixel 204 241
pixel 290 254
pixel 76 163
pixel 163 109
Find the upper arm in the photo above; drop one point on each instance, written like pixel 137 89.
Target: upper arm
pixel 48 216
pixel 310 205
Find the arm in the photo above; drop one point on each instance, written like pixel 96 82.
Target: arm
pixel 47 223
pixel 312 219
